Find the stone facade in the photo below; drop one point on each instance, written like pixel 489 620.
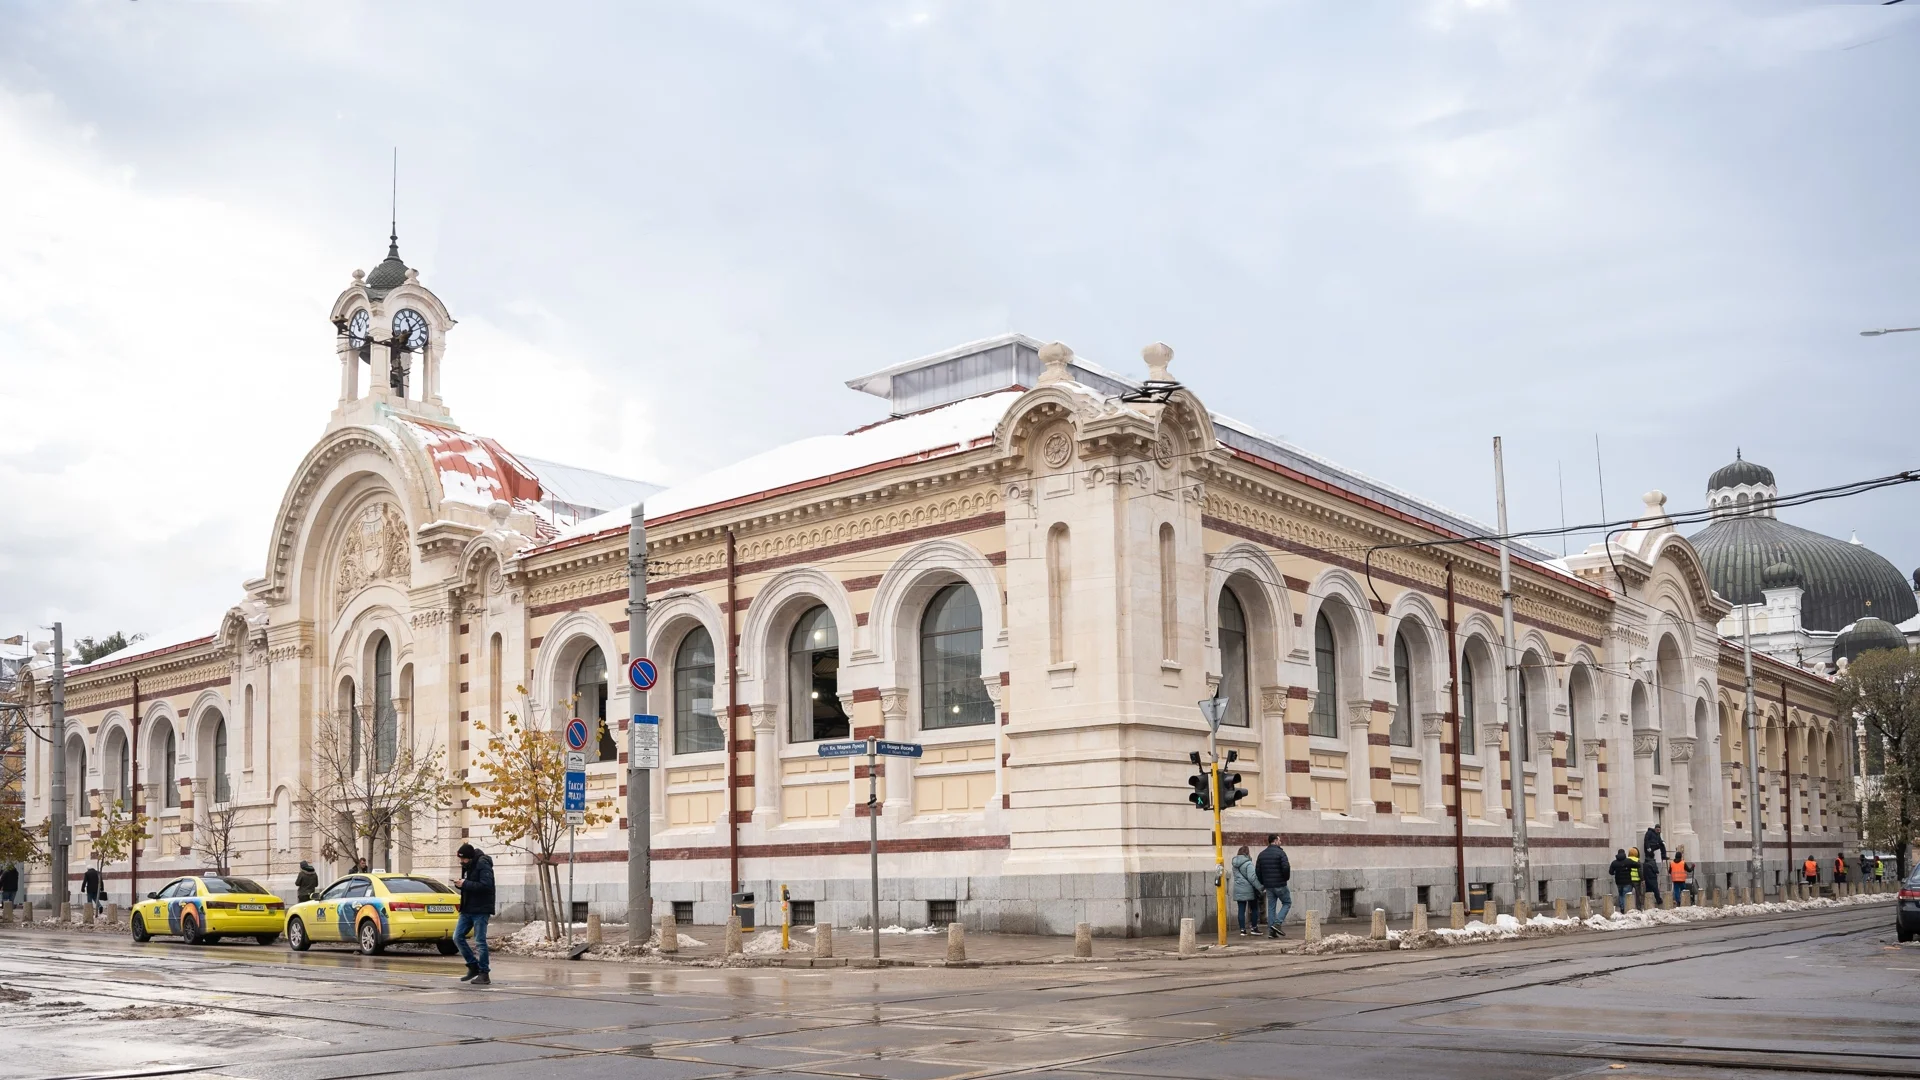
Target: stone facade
pixel 1111 558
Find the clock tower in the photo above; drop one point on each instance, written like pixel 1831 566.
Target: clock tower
pixel 390 334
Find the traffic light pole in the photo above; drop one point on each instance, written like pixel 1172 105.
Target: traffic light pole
pixel 1219 852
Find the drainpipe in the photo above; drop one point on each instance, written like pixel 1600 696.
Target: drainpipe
pixel 133 799
pixel 1453 716
pixel 733 758
pixel 1789 791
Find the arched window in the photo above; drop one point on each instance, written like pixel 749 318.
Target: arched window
pixel 246 730
pixel 78 806
pixel 814 680
pixel 590 704
pixel 951 694
pixel 222 786
pixel 1169 597
pixel 1576 688
pixel 120 756
pixel 169 756
pixel 695 728
pixel 1059 581
pixel 1401 731
pixel 386 724
pixel 1468 735
pixel 1233 660
pixel 1325 718
pixel 495 704
pixel 1522 745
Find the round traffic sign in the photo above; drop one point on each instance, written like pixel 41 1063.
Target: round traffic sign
pixel 576 734
pixel 642 674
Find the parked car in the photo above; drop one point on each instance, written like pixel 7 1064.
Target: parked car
pixel 1906 908
pixel 201 910
pixel 376 910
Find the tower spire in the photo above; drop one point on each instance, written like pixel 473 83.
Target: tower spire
pixel 393 210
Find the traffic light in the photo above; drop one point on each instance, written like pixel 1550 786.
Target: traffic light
pixel 1202 794
pixel 1230 790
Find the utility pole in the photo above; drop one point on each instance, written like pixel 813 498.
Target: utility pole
pixel 59 830
pixel 639 795
pixel 1516 753
pixel 1757 855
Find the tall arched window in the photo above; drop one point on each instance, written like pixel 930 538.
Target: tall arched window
pixel 814 678
pixel 78 806
pixel 1400 733
pixel 1469 737
pixel 590 704
pixel 1059 581
pixel 951 694
pixel 246 730
pixel 1233 660
pixel 495 703
pixel 695 728
pixel 169 757
pixel 1169 597
pixel 1325 718
pixel 222 786
pixel 1522 745
pixel 386 724
pixel 120 757
pixel 1576 689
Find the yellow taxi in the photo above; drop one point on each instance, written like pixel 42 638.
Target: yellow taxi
pixel 201 910
pixel 376 910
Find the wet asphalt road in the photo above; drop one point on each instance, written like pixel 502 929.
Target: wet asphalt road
pixel 1824 993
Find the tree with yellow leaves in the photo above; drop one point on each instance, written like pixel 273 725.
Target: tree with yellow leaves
pixel 518 784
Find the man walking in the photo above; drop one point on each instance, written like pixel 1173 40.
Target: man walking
pixel 1273 872
pixel 306 882
pixel 1840 869
pixel 1678 874
pixel 476 907
pixel 1653 851
pixel 9 882
pixel 1622 870
pixel 92 891
pixel 1636 875
pixel 1810 871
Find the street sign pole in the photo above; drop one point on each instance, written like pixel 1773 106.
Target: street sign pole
pixel 873 842
pixel 639 797
pixel 1215 709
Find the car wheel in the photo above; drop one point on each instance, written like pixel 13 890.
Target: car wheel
pixel 190 930
pixel 140 928
pixel 297 935
pixel 1900 931
pixel 210 939
pixel 370 943
pixel 447 948
pixel 266 939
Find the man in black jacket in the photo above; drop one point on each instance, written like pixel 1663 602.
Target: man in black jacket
pixel 92 890
pixel 1649 861
pixel 1622 870
pixel 306 882
pixel 1273 872
pixel 476 907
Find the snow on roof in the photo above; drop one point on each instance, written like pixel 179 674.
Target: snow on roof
pixel 174 637
pixel 948 429
pixel 587 487
pixel 474 469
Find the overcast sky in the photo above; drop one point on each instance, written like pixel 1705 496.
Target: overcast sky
pixel 670 232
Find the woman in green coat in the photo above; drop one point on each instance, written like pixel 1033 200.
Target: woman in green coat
pixel 1246 892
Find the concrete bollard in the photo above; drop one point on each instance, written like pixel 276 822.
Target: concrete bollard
pixel 6 911
pixel 26 913
pixel 66 913
pixel 669 935
pixel 956 943
pixel 1187 946
pixel 734 945
pixel 1490 914
pixel 1312 932
pixel 823 940
pixel 1560 909
pixel 1586 908
pixel 1419 918
pixel 1379 929
pixel 1083 940
pixel 593 929
pixel 1459 919
pixel 1523 910
pixel 1606 906
pixel 113 914
pixel 86 914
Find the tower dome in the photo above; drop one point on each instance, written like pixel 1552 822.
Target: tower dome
pixel 1740 473
pixel 391 272
pixel 1865 636
pixel 1782 575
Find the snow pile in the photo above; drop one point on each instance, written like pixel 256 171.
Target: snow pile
pixel 768 944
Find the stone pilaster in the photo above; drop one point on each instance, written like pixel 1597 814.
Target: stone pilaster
pixel 1299 782
pixel 896 796
pixel 1273 749
pixel 766 765
pixel 1557 750
pixel 1493 771
pixel 1363 798
pixel 1435 791
pixel 1594 793
pixel 1680 784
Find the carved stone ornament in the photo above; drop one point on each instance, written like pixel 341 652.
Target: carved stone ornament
pixel 1590 748
pixel 1543 742
pixel 374 549
pixel 1273 701
pixel 1057 450
pixel 1680 749
pixel 1645 743
pixel 763 717
pixel 1360 716
pixel 1490 734
pixel 1163 450
pixel 495 582
pixel 1433 725
pixel 995 692
pixel 1729 769
pixel 893 702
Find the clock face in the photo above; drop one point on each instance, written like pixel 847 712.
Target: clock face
pixel 409 330
pixel 357 335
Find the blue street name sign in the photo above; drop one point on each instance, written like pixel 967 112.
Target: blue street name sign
pixel 843 749
pixel 576 792
pixel 901 749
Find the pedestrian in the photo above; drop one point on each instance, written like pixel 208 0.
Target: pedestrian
pixel 476 907
pixel 361 867
pixel 1273 872
pixel 306 882
pixel 1637 878
pixel 1811 870
pixel 1679 872
pixel 1879 868
pixel 1653 851
pixel 9 883
pixel 1840 869
pixel 1246 892
pixel 1622 870
pixel 1866 869
pixel 91 889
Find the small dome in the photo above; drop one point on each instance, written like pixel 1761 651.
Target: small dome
pixel 392 273
pixel 1741 473
pixel 1781 575
pixel 1865 636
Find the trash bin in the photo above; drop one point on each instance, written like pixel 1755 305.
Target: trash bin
pixel 743 907
pixel 1478 893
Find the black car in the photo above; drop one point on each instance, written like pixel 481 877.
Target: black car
pixel 1906 908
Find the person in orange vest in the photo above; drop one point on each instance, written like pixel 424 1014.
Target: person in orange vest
pixel 1840 869
pixel 1677 872
pixel 1812 870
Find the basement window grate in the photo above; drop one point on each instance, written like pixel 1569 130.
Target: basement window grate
pixel 1425 899
pixel 683 913
pixel 579 911
pixel 802 912
pixel 1348 897
pixel 942 912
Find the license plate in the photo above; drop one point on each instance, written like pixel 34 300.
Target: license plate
pixel 253 907
pixel 439 909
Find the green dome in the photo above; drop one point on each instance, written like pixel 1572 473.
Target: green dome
pixel 1865 636
pixel 1841 579
pixel 1740 473
pixel 391 273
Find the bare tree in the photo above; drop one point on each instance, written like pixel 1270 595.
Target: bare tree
pixel 1881 691
pixel 214 835
pixel 372 781
pixel 18 844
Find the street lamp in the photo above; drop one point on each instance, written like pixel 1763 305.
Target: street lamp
pixel 1891 330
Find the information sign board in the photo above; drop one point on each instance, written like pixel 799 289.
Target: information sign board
pixel 643 742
